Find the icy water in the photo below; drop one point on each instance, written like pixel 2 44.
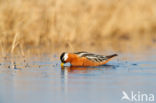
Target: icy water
pixel 42 80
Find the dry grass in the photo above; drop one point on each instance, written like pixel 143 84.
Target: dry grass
pixel 55 25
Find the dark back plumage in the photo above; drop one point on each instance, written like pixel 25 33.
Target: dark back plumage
pixel 94 57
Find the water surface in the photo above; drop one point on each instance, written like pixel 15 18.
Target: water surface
pixel 42 80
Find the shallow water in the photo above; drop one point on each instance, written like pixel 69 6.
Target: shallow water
pixel 42 80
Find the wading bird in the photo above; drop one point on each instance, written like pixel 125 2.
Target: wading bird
pixel 85 59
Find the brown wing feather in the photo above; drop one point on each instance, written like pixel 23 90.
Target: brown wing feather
pixel 95 57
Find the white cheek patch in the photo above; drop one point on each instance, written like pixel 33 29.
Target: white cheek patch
pixel 65 57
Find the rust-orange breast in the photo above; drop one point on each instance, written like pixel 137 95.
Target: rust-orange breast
pixel 82 61
pixel 87 62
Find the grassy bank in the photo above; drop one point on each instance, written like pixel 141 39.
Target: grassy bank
pixel 56 25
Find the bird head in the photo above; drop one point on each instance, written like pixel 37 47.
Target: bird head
pixel 64 57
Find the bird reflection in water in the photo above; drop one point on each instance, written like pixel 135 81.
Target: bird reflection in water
pixel 79 69
pixel 67 70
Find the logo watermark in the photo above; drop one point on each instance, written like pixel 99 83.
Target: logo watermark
pixel 137 96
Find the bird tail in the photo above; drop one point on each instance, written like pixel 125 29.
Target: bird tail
pixel 111 56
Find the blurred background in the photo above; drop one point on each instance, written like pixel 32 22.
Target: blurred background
pixel 47 28
pixel 71 25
